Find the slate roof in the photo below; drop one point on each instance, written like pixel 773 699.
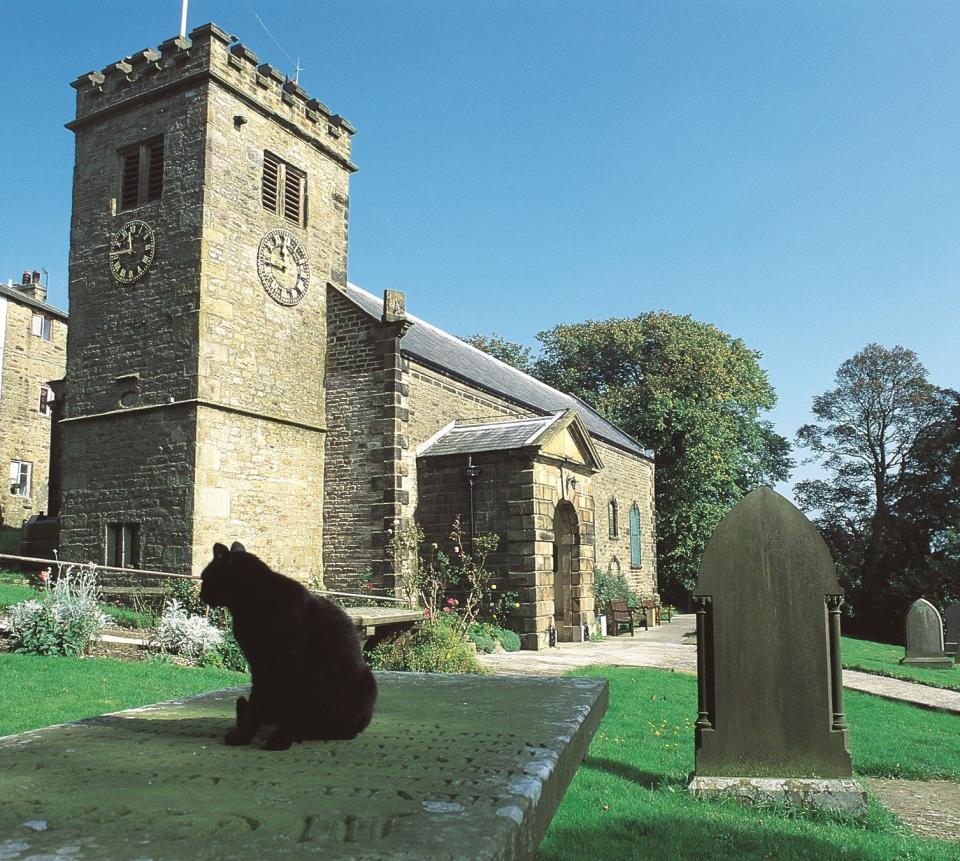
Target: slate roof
pixel 20 296
pixel 449 355
pixel 488 436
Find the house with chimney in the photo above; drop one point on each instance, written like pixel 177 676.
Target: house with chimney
pixel 33 351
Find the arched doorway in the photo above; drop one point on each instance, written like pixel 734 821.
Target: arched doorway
pixel 566 563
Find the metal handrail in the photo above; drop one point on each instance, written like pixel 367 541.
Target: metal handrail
pixel 149 573
pixel 61 562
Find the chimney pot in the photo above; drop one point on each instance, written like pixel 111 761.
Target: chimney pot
pixel 26 277
pixel 36 277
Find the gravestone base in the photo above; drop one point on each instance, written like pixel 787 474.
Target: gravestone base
pixel 846 796
pixel 941 663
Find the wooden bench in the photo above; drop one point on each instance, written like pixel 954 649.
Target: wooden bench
pixel 452 765
pixel 618 613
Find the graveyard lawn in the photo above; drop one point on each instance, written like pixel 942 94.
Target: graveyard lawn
pixel 40 691
pixel 883 659
pixel 629 799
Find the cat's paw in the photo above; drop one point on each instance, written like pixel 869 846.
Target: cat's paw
pixel 237 736
pixel 278 740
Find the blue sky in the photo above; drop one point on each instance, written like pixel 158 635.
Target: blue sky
pixel 787 171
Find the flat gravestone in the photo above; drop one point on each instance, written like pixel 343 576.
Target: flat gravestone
pixel 771 724
pixel 951 617
pixel 924 637
pixel 453 767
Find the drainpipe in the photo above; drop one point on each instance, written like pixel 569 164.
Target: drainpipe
pixel 472 473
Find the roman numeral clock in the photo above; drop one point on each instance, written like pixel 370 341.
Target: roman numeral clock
pixel 283 267
pixel 132 250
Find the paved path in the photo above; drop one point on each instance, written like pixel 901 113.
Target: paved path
pixel 671 646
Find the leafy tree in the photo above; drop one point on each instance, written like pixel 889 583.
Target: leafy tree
pixel 889 441
pixel 510 352
pixel 692 393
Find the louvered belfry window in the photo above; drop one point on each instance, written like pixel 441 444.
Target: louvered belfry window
pixel 284 189
pixel 141 173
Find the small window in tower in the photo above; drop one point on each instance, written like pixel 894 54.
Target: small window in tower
pixel 284 189
pixel 141 173
pixel 46 398
pixel 123 545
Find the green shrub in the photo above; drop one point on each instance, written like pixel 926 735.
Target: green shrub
pixel 607 586
pixel 434 646
pixel 483 637
pixel 510 640
pixel 486 636
pixel 227 656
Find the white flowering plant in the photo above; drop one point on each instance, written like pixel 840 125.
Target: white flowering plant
pixel 189 636
pixel 65 620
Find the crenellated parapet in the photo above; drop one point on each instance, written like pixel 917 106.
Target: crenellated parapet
pixel 211 54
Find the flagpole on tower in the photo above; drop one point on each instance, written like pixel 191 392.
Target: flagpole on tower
pixel 183 18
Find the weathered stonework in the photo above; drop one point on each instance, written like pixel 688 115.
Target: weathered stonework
pixel 197 338
pixel 630 482
pixel 27 362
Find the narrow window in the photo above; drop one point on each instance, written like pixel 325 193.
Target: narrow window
pixel 141 173
pixel 21 475
pixel 284 189
pixel 635 559
pixel 41 326
pixel 123 545
pixel 613 514
pixel 46 398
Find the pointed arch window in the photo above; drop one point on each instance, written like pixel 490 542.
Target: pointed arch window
pixel 635 557
pixel 613 515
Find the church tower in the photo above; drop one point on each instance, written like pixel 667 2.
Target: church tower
pixel 210 202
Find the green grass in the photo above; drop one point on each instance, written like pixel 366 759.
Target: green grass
pixel 629 798
pixel 38 691
pixel 884 660
pixel 124 617
pixel 14 593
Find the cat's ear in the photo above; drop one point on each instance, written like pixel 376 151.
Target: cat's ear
pixel 219 551
pixel 237 547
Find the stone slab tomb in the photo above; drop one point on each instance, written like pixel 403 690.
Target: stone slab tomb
pixel 771 724
pixel 951 617
pixel 924 646
pixel 452 767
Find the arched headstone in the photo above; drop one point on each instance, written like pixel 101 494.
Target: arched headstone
pixel 771 720
pixel 924 637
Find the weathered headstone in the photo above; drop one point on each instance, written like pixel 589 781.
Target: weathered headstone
pixel 951 616
pixel 771 725
pixel 924 637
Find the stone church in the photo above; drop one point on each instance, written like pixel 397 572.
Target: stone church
pixel 225 381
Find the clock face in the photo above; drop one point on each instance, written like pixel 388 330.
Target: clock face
pixel 283 267
pixel 131 251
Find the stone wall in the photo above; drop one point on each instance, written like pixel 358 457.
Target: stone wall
pixel 144 476
pixel 354 381
pixel 258 482
pixel 629 480
pixel 27 362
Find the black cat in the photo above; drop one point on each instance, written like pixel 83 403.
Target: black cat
pixel 308 673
